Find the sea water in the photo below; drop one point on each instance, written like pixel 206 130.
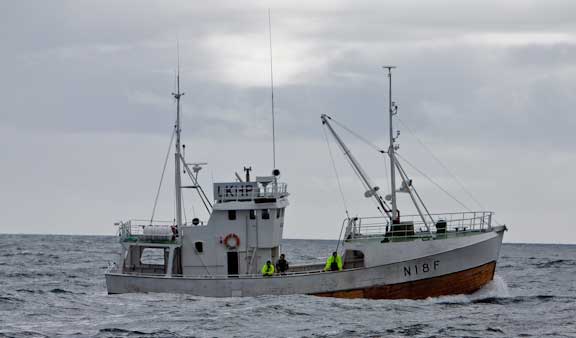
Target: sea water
pixel 53 286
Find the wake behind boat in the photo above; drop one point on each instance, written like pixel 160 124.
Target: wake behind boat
pixel 385 257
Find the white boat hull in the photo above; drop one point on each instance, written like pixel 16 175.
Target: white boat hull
pixel 454 271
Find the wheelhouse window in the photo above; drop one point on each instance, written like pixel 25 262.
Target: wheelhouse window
pixel 231 215
pixel 265 214
pixel 278 213
pixel 152 256
pixel 252 214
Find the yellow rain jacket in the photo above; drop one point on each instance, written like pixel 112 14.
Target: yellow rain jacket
pixel 267 270
pixel 329 262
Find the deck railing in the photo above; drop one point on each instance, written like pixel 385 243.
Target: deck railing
pixel 315 269
pixel 145 231
pixel 412 226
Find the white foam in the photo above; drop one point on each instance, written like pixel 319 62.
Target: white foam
pixel 497 288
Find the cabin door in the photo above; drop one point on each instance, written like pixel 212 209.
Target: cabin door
pixel 233 263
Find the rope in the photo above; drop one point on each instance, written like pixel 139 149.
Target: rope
pixel 370 144
pixel 193 210
pixel 184 209
pixel 442 165
pixel 365 185
pixel 340 235
pixel 335 172
pixel 162 176
pixel 432 181
pixel 454 177
pixel 386 173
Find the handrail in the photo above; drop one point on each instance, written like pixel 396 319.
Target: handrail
pixel 412 226
pixel 317 268
pixel 244 276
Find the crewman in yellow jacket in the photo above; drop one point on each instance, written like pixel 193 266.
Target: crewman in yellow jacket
pixel 333 263
pixel 268 269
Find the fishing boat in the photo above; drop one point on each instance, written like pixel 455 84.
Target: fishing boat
pixel 384 257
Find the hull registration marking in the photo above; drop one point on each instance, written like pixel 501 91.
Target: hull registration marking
pixel 421 268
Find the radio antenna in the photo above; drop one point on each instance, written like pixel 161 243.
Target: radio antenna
pixel 272 94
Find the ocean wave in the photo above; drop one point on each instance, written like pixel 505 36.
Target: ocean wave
pixel 515 300
pixel 58 291
pixel 412 330
pixel 21 334
pixel 28 274
pixel 118 332
pixel 556 263
pixel 10 300
pixel 30 291
pixel 275 308
pixel 68 299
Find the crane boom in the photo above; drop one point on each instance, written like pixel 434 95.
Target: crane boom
pixel 372 190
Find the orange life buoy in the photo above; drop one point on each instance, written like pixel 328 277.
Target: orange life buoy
pixel 232 241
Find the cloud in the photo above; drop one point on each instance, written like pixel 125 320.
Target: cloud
pixel 86 88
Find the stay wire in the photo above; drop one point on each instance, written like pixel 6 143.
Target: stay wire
pixel 360 137
pixel 359 176
pixel 454 177
pixel 184 208
pixel 162 176
pixel 335 171
pixel 432 181
pixel 370 144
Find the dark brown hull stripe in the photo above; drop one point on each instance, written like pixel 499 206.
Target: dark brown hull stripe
pixel 462 282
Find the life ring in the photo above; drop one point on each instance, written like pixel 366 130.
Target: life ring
pixel 232 241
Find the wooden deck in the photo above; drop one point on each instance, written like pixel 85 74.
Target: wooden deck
pixel 463 282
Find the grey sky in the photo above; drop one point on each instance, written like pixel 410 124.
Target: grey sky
pixel 86 111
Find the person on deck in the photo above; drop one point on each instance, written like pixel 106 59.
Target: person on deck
pixel 268 269
pixel 333 263
pixel 282 265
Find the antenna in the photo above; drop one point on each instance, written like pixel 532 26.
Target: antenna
pixel 272 94
pixel 177 154
pixel 391 148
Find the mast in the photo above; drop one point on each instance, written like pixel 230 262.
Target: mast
pixel 372 190
pixel 177 154
pixel 392 111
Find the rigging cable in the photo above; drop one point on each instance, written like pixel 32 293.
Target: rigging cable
pixel 335 172
pixel 366 186
pixel 370 144
pixel 339 187
pixel 442 164
pixel 386 174
pixel 454 177
pixel 184 208
pixel 378 149
pixel 162 176
pixel 432 181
